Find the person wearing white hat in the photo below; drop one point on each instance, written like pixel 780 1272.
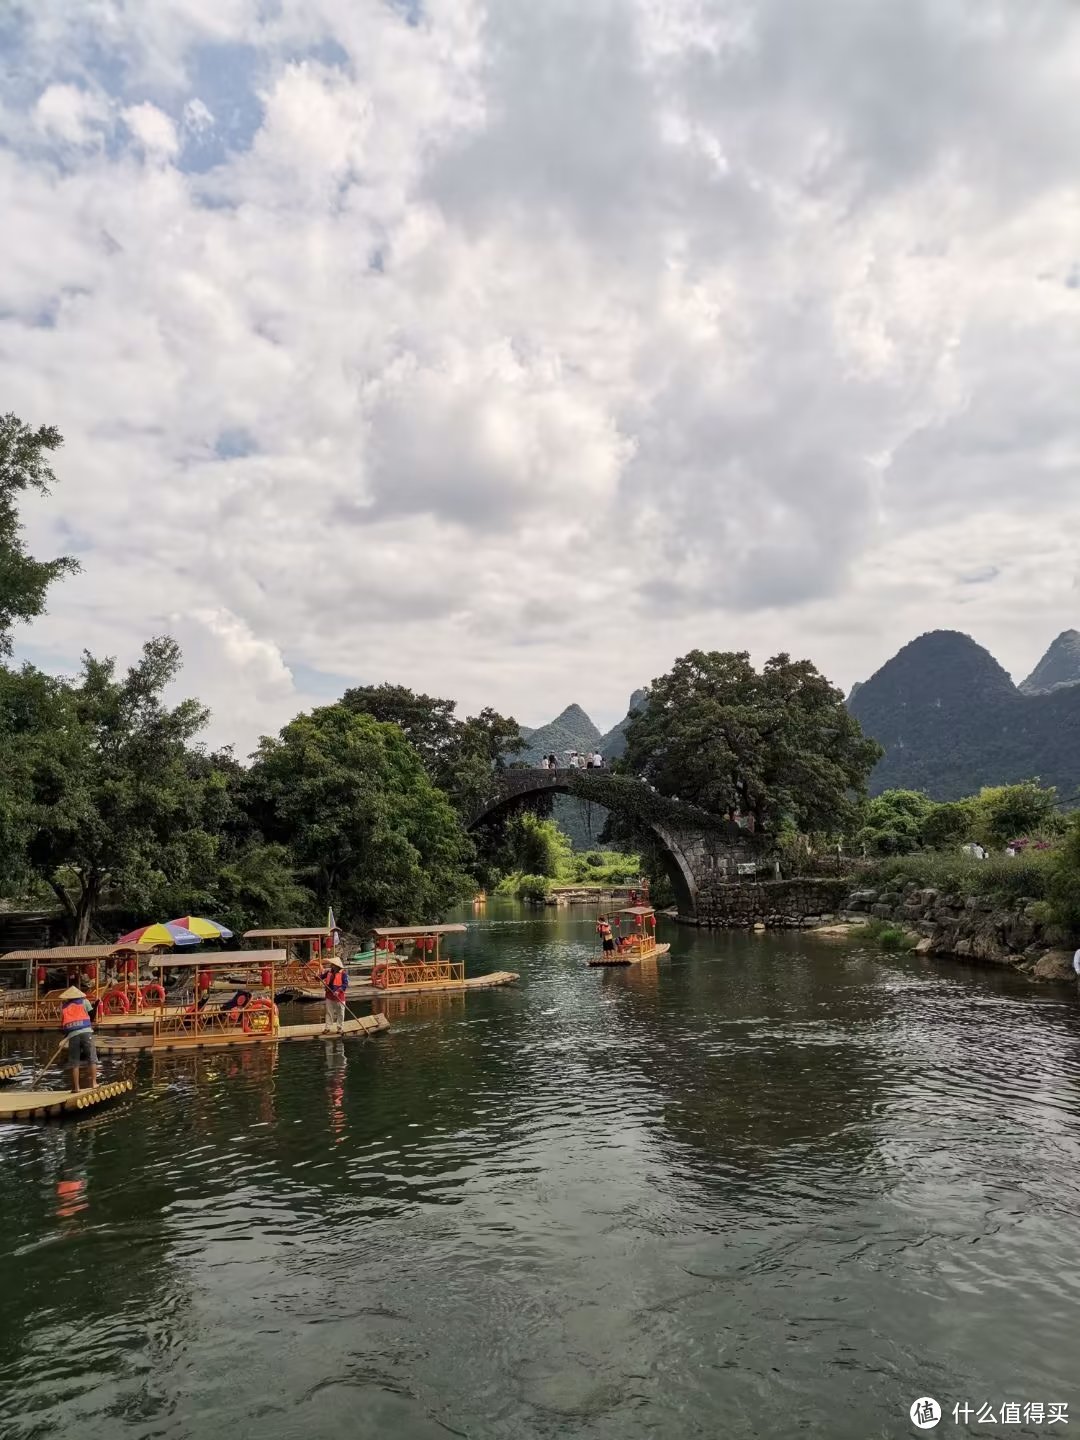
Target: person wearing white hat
pixel 335 979
pixel 76 1021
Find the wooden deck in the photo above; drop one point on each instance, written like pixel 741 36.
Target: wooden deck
pixel 8 1072
pixel 226 1040
pixel 626 958
pixel 367 991
pixel 52 1104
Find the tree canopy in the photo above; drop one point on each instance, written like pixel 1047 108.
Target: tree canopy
pixel 24 466
pixel 774 745
pixel 369 831
pixel 459 755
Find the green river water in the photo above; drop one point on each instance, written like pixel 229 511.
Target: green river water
pixel 769 1186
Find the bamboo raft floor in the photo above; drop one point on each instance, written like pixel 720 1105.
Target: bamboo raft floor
pixel 116 1024
pixel 368 991
pixel 625 959
pixel 8 1072
pixel 52 1104
pixel 227 1040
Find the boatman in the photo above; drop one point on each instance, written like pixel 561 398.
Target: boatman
pixel 76 1021
pixel 335 979
pixel 603 929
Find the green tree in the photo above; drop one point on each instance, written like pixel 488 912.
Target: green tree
pixel 1010 812
pixel 894 822
pixel 110 804
pixel 950 825
pixel 370 832
pixel 539 847
pixel 459 755
pixel 24 466
pixel 774 745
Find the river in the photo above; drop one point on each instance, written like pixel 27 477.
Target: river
pixel 770 1185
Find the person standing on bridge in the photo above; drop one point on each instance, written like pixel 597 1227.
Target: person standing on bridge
pixel 553 764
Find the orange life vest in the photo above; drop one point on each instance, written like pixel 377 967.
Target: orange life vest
pixel 336 982
pixel 74 1016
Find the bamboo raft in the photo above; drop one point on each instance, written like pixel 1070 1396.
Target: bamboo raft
pixel 626 957
pixel 361 1025
pixel 8 1072
pixel 52 1104
pixel 367 991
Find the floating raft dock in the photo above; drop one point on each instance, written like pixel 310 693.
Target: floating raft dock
pixel 53 1104
pixel 8 1072
pixel 599 963
pixel 367 991
pixel 227 1040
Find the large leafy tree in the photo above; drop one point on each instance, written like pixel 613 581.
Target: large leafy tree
pixel 24 465
pixel 111 805
pixel 459 755
pixel 777 745
pixel 370 832
pixel 1010 812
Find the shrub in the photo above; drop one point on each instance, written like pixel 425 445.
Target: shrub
pixel 1063 885
pixel 889 937
pixel 1003 877
pixel 594 858
pixel 532 888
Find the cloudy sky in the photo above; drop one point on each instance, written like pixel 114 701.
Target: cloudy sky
pixel 510 348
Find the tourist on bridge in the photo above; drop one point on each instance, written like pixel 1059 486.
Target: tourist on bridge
pixel 553 764
pixel 335 979
pixel 77 1023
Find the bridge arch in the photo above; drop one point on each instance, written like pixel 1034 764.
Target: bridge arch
pixel 514 789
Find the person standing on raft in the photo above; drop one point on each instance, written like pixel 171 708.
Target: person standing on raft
pixel 335 979
pixel 76 1021
pixel 603 929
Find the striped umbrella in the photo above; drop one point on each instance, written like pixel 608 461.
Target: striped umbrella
pixel 204 929
pixel 168 934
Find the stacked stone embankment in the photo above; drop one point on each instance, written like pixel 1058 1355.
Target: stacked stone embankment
pixel 777 904
pixel 972 927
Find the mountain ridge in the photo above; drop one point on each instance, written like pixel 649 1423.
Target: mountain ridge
pixel 951 720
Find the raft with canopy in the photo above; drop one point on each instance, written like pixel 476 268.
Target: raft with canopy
pixel 409 960
pixel 210 1021
pixel 110 976
pixel 636 940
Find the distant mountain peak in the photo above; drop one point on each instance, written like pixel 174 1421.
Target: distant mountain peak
pixel 951 720
pixel 1059 666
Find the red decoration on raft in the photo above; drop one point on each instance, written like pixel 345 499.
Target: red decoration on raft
pixel 266 976
pixel 41 975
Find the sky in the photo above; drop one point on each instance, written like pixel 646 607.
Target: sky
pixel 509 350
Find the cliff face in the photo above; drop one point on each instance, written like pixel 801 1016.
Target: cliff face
pixel 613 745
pixel 1059 666
pixel 951 721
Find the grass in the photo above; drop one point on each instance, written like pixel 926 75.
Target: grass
pixel 889 937
pixel 999 877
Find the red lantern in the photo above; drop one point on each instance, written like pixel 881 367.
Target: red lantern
pixel 266 976
pixel 652 922
pixel 391 946
pixel 41 975
pixel 133 964
pixel 205 979
pixel 316 946
pixel 431 942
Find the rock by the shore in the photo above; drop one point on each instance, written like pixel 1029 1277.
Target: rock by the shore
pixel 1054 965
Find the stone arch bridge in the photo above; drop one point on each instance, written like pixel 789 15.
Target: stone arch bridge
pixel 697 849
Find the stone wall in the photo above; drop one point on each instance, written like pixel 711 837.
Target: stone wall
pixel 973 927
pixel 776 904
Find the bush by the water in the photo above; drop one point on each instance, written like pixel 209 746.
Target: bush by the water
pixel 532 888
pixel 889 937
pixel 1002 877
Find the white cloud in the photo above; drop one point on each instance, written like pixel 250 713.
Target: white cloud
pixel 153 129
pixel 522 326
pixel 68 113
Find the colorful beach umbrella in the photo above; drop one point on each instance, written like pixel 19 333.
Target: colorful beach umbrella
pixel 168 934
pixel 204 929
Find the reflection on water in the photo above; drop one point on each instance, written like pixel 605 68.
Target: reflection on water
pixel 768 1184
